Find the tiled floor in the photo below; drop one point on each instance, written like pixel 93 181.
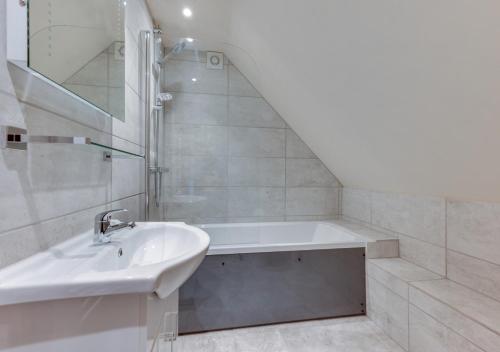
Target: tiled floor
pixel 335 335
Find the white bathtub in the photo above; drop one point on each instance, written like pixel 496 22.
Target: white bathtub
pixel 274 273
pixel 278 237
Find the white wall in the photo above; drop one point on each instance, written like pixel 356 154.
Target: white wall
pixel 392 96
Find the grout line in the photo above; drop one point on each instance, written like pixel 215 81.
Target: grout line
pixel 374 262
pixel 370 203
pixel 408 317
pixel 39 222
pixel 230 156
pixel 341 207
pixel 256 186
pixel 88 85
pixel 473 257
pixel 227 156
pixel 415 238
pixel 446 238
pixel 381 327
pixel 455 309
pixel 387 287
pixel 445 326
pixel 228 95
pixel 226 125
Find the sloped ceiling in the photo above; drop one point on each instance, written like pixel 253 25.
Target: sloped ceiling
pixel 400 96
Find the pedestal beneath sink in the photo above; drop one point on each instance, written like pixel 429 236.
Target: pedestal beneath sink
pixel 121 323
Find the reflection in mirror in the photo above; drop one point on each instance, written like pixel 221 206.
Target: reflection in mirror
pixel 80 46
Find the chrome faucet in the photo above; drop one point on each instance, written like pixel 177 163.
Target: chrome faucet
pixel 105 225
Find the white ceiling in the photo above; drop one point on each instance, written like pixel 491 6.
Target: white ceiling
pixel 399 96
pixel 209 23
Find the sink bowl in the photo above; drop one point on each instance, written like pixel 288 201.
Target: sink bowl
pixel 151 258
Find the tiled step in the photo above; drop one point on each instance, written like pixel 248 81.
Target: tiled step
pixel 396 274
pixel 465 312
pixel 427 334
pixel 388 281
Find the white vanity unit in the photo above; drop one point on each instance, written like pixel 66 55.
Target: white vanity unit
pixel 118 296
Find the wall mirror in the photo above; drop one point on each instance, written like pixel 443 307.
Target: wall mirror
pixel 80 46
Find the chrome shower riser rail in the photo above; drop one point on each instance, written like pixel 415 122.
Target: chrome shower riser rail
pixel 145 79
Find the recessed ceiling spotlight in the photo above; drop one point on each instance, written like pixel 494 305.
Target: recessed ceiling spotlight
pixel 187 12
pixel 189 40
pixel 194 79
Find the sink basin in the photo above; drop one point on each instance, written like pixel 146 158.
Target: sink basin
pixel 151 258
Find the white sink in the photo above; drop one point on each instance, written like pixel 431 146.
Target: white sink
pixel 152 257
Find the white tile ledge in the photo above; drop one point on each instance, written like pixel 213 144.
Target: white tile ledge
pixel 471 304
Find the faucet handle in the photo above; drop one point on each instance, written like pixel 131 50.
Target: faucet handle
pixel 106 215
pixel 103 220
pixel 104 226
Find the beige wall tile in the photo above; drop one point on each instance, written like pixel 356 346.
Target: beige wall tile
pixel 193 203
pixel 474 273
pixel 239 85
pixel 295 147
pixel 252 201
pixel 356 204
pixel 422 218
pixel 426 255
pixel 465 323
pixel 474 229
pixel 256 142
pixel 199 171
pixel 253 112
pixel 312 201
pixel 269 172
pixel 309 173
pixel 201 109
pixel 427 334
pixel 389 311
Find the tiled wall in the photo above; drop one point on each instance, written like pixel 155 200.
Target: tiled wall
pixel 231 157
pixel 456 239
pixel 473 246
pixel 457 311
pixel 52 192
pixel 418 222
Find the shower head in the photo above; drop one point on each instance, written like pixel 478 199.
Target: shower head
pixel 178 47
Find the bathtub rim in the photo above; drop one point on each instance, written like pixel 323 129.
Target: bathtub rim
pixel 282 247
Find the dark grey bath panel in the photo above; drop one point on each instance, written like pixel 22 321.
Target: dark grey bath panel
pixel 236 290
